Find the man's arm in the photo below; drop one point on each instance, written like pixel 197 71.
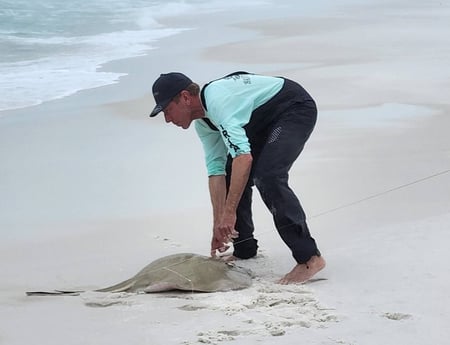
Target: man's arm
pixel 218 194
pixel 240 172
pixel 225 205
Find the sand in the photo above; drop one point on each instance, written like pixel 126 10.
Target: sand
pixel 92 190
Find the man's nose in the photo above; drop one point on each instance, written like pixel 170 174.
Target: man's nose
pixel 167 117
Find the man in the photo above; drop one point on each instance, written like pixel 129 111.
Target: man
pixel 252 128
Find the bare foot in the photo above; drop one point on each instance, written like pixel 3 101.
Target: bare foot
pixel 303 272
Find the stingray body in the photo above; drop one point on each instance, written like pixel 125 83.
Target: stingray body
pixel 188 272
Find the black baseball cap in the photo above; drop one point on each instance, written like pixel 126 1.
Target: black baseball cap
pixel 166 87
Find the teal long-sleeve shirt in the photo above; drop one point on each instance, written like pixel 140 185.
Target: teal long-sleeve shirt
pixel 230 102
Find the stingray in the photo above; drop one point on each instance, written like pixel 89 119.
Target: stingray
pixel 186 272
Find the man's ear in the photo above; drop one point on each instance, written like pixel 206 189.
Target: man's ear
pixel 186 96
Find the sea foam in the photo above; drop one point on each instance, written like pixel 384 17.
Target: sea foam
pixel 51 49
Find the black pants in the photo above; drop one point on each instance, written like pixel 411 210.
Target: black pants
pixel 274 151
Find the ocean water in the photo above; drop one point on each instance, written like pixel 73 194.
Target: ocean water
pixel 50 49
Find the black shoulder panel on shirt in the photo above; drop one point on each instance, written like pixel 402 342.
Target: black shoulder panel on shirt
pixel 210 124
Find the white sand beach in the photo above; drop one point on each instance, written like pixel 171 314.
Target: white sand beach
pixel 92 189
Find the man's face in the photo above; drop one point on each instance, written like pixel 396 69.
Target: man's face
pixel 178 113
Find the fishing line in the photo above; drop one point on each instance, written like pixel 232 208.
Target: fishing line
pixel 373 196
pixel 379 194
pixel 180 275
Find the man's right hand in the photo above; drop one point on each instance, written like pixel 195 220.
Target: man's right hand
pixel 220 243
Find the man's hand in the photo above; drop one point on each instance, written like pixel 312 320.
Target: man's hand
pixel 226 227
pixel 218 245
pixel 223 234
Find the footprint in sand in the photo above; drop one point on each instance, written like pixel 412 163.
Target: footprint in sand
pixel 214 337
pixel 266 309
pixel 396 316
pixel 168 241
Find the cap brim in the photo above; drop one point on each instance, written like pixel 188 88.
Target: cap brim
pixel 156 110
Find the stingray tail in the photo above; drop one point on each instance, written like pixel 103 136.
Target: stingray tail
pixel 121 287
pixel 54 293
